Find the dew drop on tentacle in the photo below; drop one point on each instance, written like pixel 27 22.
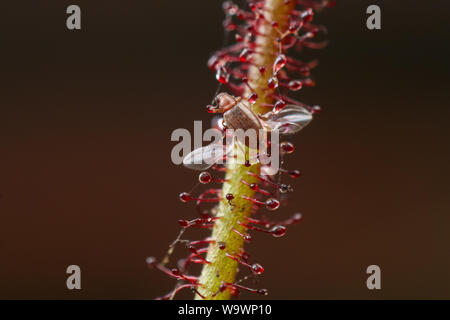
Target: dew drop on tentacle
pixel 175 271
pixel 222 75
pixel 294 173
pixel 213 62
pixel 279 105
pixel 295 26
pixel 257 269
pixel 245 55
pixel 316 109
pixel 252 98
pixel 278 231
pixel 307 15
pixel 229 197
pixel 308 83
pixel 185 197
pixel 272 204
pixel 297 217
pixel 204 177
pixel 244 236
pixel 230 8
pixel 150 261
pixel 272 83
pixel 279 63
pixel 183 223
pixel 295 85
pixel 263 292
pixel 287 147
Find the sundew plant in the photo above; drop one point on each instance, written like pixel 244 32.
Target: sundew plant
pixel 258 76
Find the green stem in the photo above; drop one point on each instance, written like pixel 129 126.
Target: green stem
pixel 222 268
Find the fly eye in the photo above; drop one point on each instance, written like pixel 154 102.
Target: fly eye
pixel 225 101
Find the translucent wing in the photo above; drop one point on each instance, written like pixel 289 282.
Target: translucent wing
pixel 204 157
pixel 244 153
pixel 290 119
pixel 269 170
pixel 217 123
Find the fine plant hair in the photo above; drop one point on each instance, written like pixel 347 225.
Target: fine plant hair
pixel 257 68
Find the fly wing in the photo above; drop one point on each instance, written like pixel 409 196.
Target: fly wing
pixel 269 170
pixel 244 153
pixel 203 158
pixel 290 119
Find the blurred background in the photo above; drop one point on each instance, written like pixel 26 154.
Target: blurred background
pixel 85 170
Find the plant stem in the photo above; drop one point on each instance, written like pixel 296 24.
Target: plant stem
pixel 222 269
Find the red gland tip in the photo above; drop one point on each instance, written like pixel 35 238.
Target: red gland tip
pixel 211 109
pixel 222 75
pixel 279 63
pixel 272 204
pixel 264 292
pixel 150 261
pixel 295 85
pixel 294 173
pixel 183 223
pixel 245 54
pixel 272 83
pixel 287 147
pixel 316 109
pixel 262 69
pixel 297 217
pixel 257 269
pixel 252 98
pixel 279 105
pixel 204 177
pixel 185 197
pixel 229 196
pixel 278 231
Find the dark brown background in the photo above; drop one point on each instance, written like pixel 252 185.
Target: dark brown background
pixel 85 170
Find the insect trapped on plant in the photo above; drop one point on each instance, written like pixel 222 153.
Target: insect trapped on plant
pixel 238 116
